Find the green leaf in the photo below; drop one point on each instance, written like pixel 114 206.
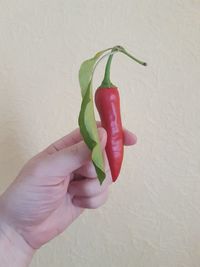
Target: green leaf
pixel 87 122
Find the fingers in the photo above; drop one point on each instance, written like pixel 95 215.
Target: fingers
pixel 87 170
pixel 75 137
pixel 66 141
pixel 91 202
pixel 129 138
pixel 88 187
pixel 69 159
pixel 87 192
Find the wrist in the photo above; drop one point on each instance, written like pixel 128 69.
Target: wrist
pixel 14 251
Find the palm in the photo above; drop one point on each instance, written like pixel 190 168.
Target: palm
pixel 40 206
pixel 57 212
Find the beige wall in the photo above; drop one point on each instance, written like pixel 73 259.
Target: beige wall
pixel 152 217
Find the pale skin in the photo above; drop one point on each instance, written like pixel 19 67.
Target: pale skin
pixel 49 193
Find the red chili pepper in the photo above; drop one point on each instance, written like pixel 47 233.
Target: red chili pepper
pixel 108 104
pixel 107 101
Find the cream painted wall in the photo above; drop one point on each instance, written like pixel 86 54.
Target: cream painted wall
pixel 152 217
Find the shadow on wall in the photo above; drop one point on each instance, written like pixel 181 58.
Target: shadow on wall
pixel 12 155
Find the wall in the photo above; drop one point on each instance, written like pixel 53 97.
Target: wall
pixel 152 217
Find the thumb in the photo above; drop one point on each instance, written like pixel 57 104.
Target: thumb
pixel 71 158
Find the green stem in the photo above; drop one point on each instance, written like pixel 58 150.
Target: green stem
pixel 122 50
pixel 135 59
pixel 106 81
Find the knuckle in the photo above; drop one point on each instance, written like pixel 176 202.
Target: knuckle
pixel 89 170
pixel 74 149
pixel 96 203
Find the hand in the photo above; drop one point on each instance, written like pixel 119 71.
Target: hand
pixel 53 189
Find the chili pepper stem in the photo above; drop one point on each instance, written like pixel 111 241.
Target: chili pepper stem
pixel 137 60
pixel 122 50
pixel 106 81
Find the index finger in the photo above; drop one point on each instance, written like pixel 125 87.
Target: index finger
pixel 66 141
pixel 75 137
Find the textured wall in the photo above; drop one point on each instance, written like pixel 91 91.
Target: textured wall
pixel 152 217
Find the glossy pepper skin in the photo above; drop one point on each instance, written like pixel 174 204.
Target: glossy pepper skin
pixel 107 101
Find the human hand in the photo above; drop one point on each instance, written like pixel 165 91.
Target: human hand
pixel 54 188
